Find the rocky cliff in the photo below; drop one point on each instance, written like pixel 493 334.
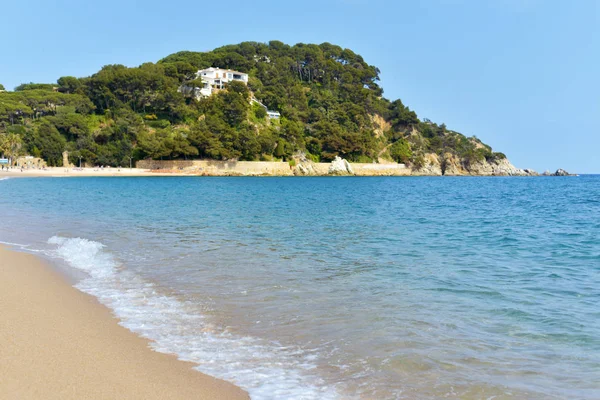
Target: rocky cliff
pixel 451 165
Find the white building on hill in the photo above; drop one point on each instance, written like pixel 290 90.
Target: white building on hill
pixel 216 78
pixel 271 114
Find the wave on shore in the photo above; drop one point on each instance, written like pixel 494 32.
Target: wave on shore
pixel 265 370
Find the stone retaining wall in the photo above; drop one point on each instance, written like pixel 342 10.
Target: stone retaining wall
pixel 259 168
pixel 213 167
pixel 363 169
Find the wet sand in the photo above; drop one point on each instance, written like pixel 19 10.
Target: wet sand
pixel 59 343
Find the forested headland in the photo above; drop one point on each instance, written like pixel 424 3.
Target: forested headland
pixel 329 98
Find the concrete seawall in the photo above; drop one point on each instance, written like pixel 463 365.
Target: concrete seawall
pixel 264 168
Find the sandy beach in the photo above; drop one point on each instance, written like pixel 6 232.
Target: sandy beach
pixel 59 343
pixel 84 172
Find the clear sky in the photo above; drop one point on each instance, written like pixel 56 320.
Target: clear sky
pixel 522 75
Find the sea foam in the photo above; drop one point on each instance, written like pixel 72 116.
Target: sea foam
pixel 18 245
pixel 265 370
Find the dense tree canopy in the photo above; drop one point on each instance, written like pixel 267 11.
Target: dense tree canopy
pixel 329 99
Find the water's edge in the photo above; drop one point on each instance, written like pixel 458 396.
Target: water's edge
pixel 139 306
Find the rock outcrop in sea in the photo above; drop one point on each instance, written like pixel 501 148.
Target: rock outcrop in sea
pixel 559 172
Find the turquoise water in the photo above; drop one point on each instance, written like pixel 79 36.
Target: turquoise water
pixel 318 288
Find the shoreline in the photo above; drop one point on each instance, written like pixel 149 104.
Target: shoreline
pixel 59 172
pixel 60 343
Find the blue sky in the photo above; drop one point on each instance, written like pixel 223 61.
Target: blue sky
pixel 522 75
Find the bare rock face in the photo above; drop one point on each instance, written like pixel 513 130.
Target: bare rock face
pixel 431 167
pixel 304 166
pixel 481 168
pixel 304 169
pixel 452 165
pixel 505 168
pixel 501 167
pixel 339 166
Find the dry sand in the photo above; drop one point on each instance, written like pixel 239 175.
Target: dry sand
pixel 59 343
pixel 73 172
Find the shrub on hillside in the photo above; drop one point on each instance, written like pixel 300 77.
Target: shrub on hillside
pixel 401 152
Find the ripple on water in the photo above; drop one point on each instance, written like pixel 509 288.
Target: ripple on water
pixel 368 288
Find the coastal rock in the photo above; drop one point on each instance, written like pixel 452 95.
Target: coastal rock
pixel 431 166
pixel 504 167
pixel 304 169
pixel 559 172
pixel 481 168
pixel 304 166
pixel 452 165
pixel 501 167
pixel 339 166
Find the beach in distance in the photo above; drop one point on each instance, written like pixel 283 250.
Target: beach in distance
pixel 75 172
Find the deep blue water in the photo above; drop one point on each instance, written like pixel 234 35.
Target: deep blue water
pixel 316 288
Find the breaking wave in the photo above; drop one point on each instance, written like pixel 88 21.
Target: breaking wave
pixel 265 370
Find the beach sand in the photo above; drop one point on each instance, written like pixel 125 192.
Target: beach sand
pixel 59 343
pixel 87 172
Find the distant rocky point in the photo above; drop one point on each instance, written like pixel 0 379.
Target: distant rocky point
pixel 301 165
pixel 451 165
pixel 559 172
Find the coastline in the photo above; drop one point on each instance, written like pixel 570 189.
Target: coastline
pixel 211 168
pixel 276 171
pixel 60 172
pixel 60 343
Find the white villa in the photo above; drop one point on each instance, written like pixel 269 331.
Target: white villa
pixel 216 78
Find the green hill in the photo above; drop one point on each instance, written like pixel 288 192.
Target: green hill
pixel 329 99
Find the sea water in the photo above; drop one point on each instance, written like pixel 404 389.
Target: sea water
pixel 339 288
